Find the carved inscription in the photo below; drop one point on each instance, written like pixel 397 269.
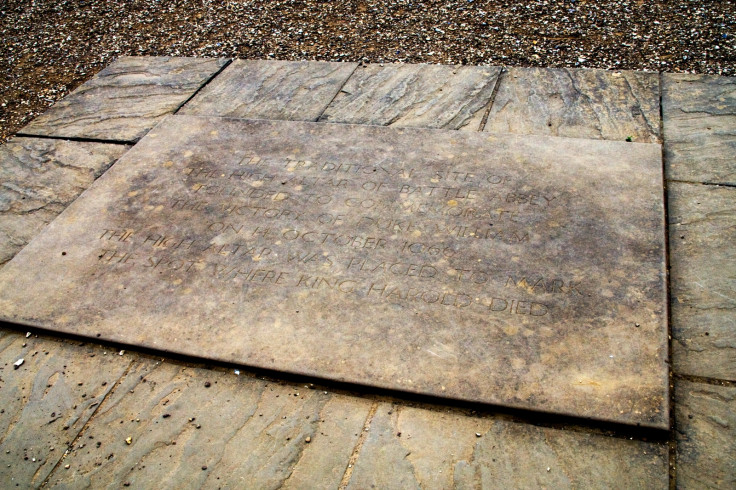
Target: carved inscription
pixel 378 233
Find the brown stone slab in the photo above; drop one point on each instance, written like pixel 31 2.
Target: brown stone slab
pixel 259 89
pixel 417 448
pixel 126 99
pixel 425 96
pixel 521 271
pixel 703 278
pixel 699 127
pixel 38 180
pixel 577 103
pixel 47 401
pixel 194 427
pixel 705 423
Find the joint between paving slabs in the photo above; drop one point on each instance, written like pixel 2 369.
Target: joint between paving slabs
pixel 484 119
pixel 358 446
pixel 344 82
pixel 207 82
pixel 81 432
pixel 75 139
pixel 705 380
pixel 694 182
pixel 672 442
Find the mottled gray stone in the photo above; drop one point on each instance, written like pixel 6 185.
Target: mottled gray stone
pixel 39 178
pixel 47 401
pixel 258 89
pixel 237 432
pixel 417 448
pixel 126 99
pixel 705 425
pixel 425 96
pixel 577 103
pixel 703 279
pixel 528 271
pixel 699 127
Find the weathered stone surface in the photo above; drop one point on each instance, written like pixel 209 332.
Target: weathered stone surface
pixel 706 435
pixel 417 448
pixel 699 127
pixel 38 180
pixel 577 103
pixel 703 279
pixel 235 432
pixel 126 99
pixel 426 96
pixel 527 271
pixel 47 401
pixel 259 89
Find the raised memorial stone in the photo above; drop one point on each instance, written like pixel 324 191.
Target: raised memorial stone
pixel 522 271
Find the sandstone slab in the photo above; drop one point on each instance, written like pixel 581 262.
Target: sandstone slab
pixel 703 279
pixel 527 272
pixel 410 447
pixel 47 401
pixel 39 178
pixel 258 89
pixel 577 103
pixel 699 125
pixel 705 425
pixel 174 425
pixel 126 99
pixel 425 96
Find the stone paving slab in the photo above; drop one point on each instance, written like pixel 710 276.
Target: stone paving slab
pixel 39 178
pixel 257 89
pixel 47 401
pixel 699 124
pixel 126 99
pixel 702 228
pixel 577 103
pixel 210 428
pixel 426 96
pixel 706 435
pixel 410 447
pixel 494 336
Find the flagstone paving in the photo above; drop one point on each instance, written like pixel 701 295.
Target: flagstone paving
pixel 39 178
pixel 357 438
pixel 699 126
pixel 578 103
pixel 126 99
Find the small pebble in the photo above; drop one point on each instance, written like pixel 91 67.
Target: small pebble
pixel 129 441
pixel 207 384
pixel 308 440
pixel 477 434
pixel 18 363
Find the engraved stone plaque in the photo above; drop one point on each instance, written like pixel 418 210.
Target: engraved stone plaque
pixel 522 271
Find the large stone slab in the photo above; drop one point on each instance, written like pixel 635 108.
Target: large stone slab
pixel 126 99
pixel 409 447
pixel 425 96
pixel 706 435
pixel 527 272
pixel 703 277
pixel 577 103
pixel 699 126
pixel 38 180
pixel 259 89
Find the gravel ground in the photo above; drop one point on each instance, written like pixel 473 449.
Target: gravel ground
pixel 51 47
